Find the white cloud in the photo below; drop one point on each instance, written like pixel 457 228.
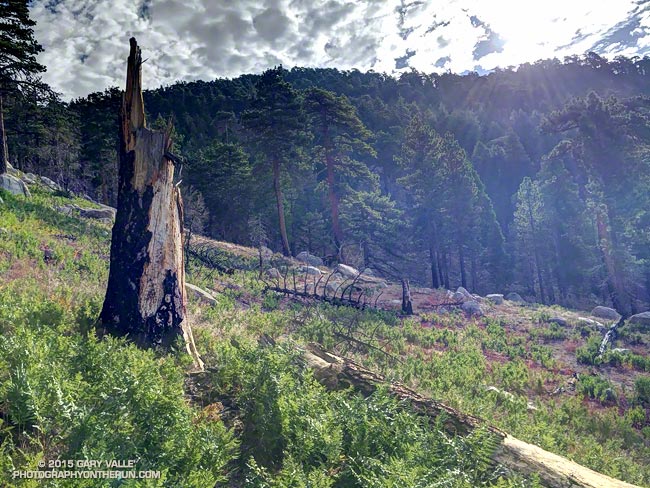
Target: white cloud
pixel 86 41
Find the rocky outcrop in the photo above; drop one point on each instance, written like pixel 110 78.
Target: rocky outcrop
pixel 310 259
pixel 496 298
pixel 104 213
pixel 464 292
pixel 605 313
pixel 473 308
pixel 515 297
pixel 642 319
pixel 49 184
pixel 14 185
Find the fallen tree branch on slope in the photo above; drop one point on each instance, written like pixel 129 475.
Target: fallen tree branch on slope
pixel 555 471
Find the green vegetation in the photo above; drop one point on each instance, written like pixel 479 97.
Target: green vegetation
pixel 258 416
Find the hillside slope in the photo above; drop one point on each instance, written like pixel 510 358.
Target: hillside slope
pixel 258 418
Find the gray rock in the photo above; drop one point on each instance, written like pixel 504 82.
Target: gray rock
pixel 305 257
pixel 64 209
pixel 200 294
pixel 458 297
pixel 347 271
pixel 642 319
pixel 472 308
pixel 464 292
pixel 496 298
pixel 29 178
pixel 368 272
pixel 273 273
pixel 14 185
pixel 605 313
pixel 558 320
pixel 333 287
pixel 310 270
pixel 106 213
pixel 515 297
pixel 1 201
pixel 52 185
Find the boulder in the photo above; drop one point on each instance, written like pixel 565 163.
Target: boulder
pixel 310 259
pixel 472 307
pixel 310 270
pixel 642 319
pixel 14 185
pixel 515 297
pixel 496 298
pixel 51 185
pixel 458 297
pixel 558 320
pixel 200 294
pixel 273 273
pixel 368 272
pixel 333 287
pixel 347 271
pixel 107 213
pixel 104 213
pixel 605 313
pixel 464 292
pixel 29 178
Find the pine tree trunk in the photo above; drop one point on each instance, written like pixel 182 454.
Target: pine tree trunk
pixel 145 298
pixel 333 198
pixel 463 273
pixel 4 155
pixel 433 259
pixel 279 199
pixel 616 288
pixel 538 264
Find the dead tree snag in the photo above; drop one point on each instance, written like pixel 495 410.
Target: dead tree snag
pixel 145 298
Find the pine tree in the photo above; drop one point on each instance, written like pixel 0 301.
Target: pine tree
pixel 530 232
pixel 609 141
pixel 340 136
pixel 275 125
pixel 18 64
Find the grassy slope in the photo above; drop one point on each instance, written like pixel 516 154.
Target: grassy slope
pixel 260 420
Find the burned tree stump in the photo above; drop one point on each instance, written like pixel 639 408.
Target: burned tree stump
pixel 145 298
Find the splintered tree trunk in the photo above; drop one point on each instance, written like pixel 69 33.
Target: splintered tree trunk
pixel 4 155
pixel 145 297
pixel 336 373
pixel 407 304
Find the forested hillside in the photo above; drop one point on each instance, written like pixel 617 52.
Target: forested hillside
pixel 534 180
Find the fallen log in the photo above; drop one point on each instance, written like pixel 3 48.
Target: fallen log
pixel 554 471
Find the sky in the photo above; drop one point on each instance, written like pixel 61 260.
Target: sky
pixel 86 41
